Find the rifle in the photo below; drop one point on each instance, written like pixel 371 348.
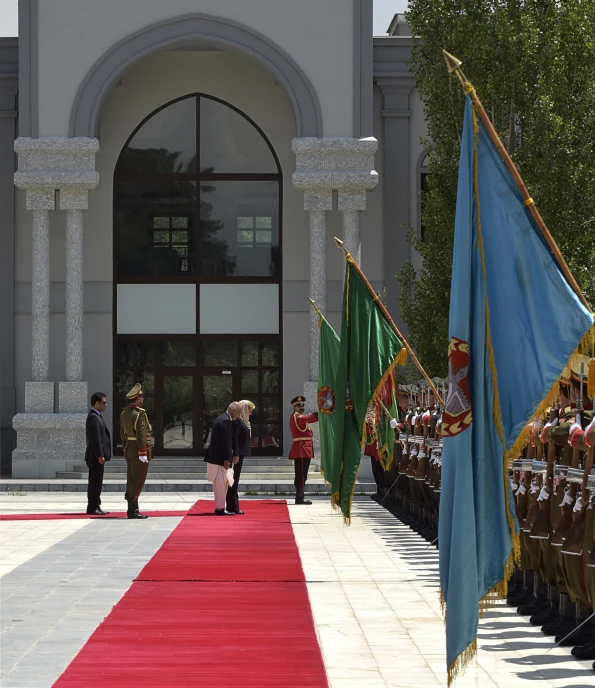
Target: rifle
pixel 541 526
pixel 522 494
pixel 422 461
pixel 534 495
pixel 567 505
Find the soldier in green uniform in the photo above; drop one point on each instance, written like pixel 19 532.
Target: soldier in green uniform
pixel 137 442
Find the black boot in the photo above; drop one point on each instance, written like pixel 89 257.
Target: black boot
pixel 549 616
pixel 135 513
pixel 585 651
pixel 579 638
pixel 299 496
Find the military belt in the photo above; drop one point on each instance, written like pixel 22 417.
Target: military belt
pixel 301 439
pixel 131 439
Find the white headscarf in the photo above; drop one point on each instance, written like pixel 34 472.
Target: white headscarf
pixel 247 408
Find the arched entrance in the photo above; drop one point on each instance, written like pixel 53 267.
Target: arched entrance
pixel 197 273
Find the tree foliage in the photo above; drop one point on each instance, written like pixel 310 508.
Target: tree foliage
pixel 532 63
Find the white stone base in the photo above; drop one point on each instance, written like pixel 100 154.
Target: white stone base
pixel 72 397
pixel 47 442
pixel 39 397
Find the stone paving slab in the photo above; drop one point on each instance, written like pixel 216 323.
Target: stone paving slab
pixel 373 588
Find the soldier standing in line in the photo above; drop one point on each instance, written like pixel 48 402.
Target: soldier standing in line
pixel 135 431
pixel 302 449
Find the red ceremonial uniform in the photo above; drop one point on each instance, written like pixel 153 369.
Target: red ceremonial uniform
pixel 302 447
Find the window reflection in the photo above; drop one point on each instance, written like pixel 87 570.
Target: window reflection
pixel 238 226
pixel 230 143
pixel 165 144
pixel 154 228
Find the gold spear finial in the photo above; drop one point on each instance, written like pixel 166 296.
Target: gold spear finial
pixel 312 302
pixel 452 62
pixel 339 242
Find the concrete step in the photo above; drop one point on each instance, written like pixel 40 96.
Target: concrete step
pixel 279 487
pixel 199 461
pixel 112 468
pixel 161 475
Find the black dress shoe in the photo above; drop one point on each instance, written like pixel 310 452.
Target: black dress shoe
pixel 238 512
pixel 137 514
pixel 579 637
pixel 224 512
pixel 549 616
pixel 303 501
pixel 97 512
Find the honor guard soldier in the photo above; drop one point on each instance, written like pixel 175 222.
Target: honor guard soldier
pixel 135 431
pixel 302 449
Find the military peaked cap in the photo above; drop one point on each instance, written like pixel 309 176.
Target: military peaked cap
pixel 298 400
pixel 134 392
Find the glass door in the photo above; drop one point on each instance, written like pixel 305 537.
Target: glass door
pixel 176 429
pixel 218 389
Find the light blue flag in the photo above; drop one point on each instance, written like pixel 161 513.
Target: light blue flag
pixel 514 323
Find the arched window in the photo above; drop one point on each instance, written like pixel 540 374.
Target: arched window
pixel 197 194
pixel 197 273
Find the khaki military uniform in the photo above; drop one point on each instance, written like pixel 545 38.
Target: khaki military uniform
pixel 135 431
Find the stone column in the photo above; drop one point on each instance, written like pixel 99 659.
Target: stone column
pixel 317 205
pixel 39 393
pixel 48 442
pixel 398 173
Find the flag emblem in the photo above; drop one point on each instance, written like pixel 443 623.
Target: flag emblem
pixel 326 400
pixel 457 414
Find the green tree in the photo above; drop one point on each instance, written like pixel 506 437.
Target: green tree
pixel 533 65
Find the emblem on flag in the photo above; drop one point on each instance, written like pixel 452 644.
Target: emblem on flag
pixel 457 415
pixel 326 400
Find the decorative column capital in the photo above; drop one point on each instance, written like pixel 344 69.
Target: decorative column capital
pixel 47 164
pixel 334 164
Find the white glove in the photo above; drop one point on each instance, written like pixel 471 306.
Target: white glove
pixel 567 499
pixel 144 459
pixel 543 495
pixel 522 489
pixel 578 505
pixel 534 488
pixel 513 486
pixel 393 423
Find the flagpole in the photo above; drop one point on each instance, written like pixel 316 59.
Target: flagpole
pixel 454 65
pixel 389 319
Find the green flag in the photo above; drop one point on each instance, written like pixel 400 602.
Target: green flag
pixel 328 360
pixel 386 409
pixel 369 352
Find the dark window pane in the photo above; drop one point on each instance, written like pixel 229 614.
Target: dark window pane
pixel 249 382
pixel 254 435
pixel 227 246
pixel 177 354
pixel 270 408
pixel 165 144
pixel 140 249
pixel 271 436
pixel 270 381
pixel 270 354
pixel 178 408
pixel 219 354
pixel 230 143
pixel 147 381
pixel 124 382
pixel 217 395
pixel 249 353
pixel 124 356
pixel 145 354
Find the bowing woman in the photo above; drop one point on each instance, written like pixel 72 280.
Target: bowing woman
pixel 242 433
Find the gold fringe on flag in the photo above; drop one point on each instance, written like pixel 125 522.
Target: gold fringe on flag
pixel 460 663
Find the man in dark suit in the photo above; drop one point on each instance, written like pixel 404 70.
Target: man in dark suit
pixel 222 450
pixel 99 450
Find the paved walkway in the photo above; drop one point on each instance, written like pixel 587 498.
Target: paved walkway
pixel 372 586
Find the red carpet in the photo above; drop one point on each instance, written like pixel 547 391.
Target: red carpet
pixel 203 628
pixel 58 517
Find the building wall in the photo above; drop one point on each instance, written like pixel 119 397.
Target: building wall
pixel 155 81
pixel 318 36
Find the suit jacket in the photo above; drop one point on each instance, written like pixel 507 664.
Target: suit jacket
pixel 223 446
pixel 242 437
pixel 98 438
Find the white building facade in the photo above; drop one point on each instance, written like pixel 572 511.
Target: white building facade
pixel 170 205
